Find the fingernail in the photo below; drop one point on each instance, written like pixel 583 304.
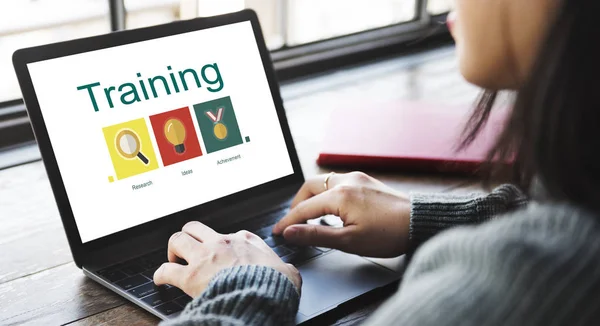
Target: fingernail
pixel 291 231
pixel 275 230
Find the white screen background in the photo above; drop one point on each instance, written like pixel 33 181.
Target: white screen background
pixel 101 208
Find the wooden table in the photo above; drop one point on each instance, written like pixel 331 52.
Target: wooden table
pixel 40 285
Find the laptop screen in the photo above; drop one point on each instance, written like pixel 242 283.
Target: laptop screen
pixel 147 129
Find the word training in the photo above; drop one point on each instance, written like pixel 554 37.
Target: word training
pixel 146 88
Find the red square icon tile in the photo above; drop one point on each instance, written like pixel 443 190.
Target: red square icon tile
pixel 175 136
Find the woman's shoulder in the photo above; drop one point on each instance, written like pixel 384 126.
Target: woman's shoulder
pixel 536 266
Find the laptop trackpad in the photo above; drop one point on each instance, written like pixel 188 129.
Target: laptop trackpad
pixel 339 277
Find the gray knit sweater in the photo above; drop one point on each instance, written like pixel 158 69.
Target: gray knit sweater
pixel 537 264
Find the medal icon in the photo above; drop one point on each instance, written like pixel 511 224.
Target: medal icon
pixel 219 128
pixel 218 124
pixel 220 131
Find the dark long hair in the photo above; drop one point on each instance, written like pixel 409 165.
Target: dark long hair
pixel 553 132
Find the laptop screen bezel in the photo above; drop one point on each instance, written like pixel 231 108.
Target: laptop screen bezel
pixel 23 57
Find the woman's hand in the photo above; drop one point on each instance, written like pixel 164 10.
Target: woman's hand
pixel 376 218
pixel 207 252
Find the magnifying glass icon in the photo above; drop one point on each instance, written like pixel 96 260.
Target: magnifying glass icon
pixel 128 145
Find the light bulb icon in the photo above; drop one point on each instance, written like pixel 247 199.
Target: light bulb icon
pixel 175 133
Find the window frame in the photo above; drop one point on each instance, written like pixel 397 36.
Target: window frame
pixel 290 62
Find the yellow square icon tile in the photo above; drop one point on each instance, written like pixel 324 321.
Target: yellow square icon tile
pixel 130 148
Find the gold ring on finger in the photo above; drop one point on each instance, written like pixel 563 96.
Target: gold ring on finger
pixel 326 182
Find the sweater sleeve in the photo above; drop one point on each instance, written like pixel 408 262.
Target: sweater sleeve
pixel 243 295
pixel 432 213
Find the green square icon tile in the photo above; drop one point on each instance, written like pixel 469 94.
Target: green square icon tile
pixel 247 139
pixel 218 124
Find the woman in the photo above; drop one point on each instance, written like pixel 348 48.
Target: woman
pixel 537 264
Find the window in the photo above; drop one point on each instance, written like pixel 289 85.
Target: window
pixel 26 23
pixel 314 20
pixel 142 13
pixel 285 23
pixel 288 23
pixel 436 7
pixel 304 35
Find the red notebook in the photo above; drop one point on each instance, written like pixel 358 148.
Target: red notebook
pixel 407 136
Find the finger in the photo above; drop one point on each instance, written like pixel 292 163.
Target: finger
pixel 200 231
pixel 182 245
pixel 317 206
pixel 307 190
pixel 170 273
pixel 318 235
pixel 314 187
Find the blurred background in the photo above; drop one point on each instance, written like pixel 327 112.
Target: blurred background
pixel 286 24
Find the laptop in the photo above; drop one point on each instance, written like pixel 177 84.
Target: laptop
pixel 144 130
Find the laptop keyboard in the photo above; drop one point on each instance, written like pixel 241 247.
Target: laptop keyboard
pixel 135 276
pixel 292 254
